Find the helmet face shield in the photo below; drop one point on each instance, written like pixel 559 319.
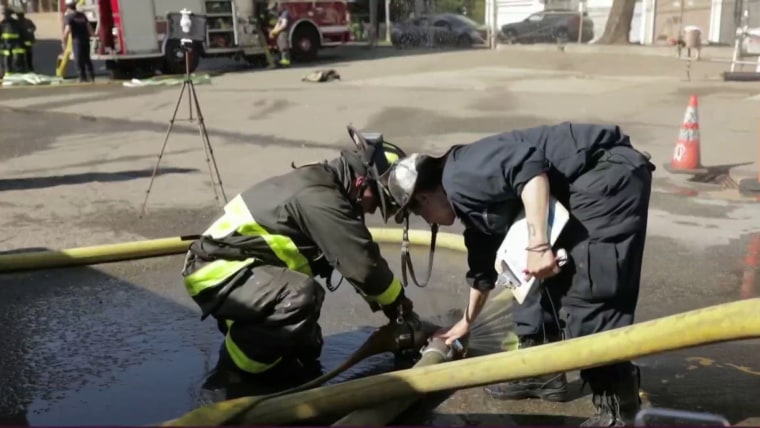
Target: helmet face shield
pixel 402 183
pixel 378 157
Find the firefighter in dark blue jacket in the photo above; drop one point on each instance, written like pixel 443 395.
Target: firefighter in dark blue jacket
pixel 605 183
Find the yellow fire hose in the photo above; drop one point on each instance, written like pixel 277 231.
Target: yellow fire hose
pixel 436 352
pixel 63 60
pixel 714 324
pixel 731 321
pixel 177 245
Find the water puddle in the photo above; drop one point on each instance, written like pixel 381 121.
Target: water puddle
pixel 86 346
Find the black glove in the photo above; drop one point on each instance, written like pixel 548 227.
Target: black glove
pixel 402 307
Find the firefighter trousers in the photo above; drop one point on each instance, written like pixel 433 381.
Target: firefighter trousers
pixel 272 320
pixel 14 59
pixel 81 50
pixel 29 56
pixel 599 287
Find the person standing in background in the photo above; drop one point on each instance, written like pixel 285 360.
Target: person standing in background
pixel 28 36
pixel 280 33
pixel 11 43
pixel 78 27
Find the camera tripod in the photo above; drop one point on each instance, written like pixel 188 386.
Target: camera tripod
pixel 193 103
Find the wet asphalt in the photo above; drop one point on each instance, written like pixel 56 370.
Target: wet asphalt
pixel 122 344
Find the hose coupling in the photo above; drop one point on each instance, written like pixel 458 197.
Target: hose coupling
pixel 439 346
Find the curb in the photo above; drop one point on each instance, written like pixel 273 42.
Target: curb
pixel 744 172
pixel 708 52
pixel 679 184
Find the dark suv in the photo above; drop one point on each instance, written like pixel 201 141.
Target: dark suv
pixel 549 26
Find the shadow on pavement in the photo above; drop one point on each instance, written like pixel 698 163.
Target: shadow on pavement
pixel 28 183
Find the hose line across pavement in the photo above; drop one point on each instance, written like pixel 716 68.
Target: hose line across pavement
pixel 713 324
pixel 17 262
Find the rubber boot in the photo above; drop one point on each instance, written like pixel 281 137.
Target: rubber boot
pixel 616 399
pixel 551 387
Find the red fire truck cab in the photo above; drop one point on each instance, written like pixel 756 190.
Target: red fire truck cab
pixel 131 36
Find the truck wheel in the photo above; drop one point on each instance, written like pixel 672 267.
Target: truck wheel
pixel 120 70
pixel 510 37
pixel 257 60
pixel 174 58
pixel 464 41
pixel 305 43
pixel 562 36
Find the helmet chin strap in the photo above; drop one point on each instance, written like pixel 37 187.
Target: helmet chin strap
pixel 406 258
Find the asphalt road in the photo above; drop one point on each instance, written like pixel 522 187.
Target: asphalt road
pixel 122 344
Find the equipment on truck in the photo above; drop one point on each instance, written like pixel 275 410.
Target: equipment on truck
pixel 188 28
pixel 133 38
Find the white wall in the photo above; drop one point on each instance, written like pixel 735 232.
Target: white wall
pixel 515 10
pixel 598 10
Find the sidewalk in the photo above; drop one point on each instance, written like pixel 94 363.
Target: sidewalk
pixel 708 52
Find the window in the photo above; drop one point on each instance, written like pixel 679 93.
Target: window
pixel 535 17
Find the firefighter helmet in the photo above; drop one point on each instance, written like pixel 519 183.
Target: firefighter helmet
pixel 378 156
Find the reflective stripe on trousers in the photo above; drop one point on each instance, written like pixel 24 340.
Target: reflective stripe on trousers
pixel 240 359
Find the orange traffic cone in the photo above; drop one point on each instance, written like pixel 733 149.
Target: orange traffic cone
pixel 686 155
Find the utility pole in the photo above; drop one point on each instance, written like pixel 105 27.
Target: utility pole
pixel 373 23
pixel 493 8
pixel 387 21
pixel 581 12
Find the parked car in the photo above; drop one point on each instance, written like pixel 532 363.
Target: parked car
pixel 444 29
pixel 549 26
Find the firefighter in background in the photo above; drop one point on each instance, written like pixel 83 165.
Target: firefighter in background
pixel 78 27
pixel 29 30
pixel 253 269
pixel 280 21
pixel 12 44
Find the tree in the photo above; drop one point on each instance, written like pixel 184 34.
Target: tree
pixel 618 28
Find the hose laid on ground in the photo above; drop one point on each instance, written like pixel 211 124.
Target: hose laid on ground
pixel 436 352
pixel 714 324
pixel 732 321
pixel 18 262
pixel 380 341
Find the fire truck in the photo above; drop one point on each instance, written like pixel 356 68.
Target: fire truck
pixel 131 36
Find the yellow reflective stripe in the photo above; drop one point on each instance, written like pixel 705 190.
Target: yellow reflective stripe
pixel 282 246
pixel 390 156
pixel 240 359
pixel 389 295
pixel 9 36
pixel 18 50
pixel 212 274
pixel 238 218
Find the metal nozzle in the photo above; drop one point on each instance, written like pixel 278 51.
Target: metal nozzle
pixel 448 352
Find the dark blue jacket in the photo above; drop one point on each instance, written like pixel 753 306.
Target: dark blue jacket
pixel 484 180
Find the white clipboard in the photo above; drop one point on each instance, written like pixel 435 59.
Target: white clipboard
pixel 512 258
